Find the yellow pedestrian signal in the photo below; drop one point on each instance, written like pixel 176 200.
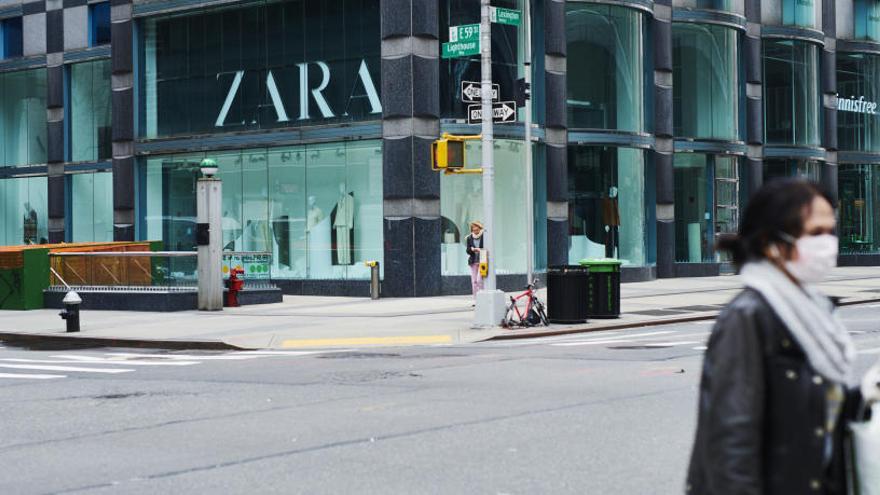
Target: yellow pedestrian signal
pixel 447 153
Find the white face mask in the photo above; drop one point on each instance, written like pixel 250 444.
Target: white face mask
pixel 817 255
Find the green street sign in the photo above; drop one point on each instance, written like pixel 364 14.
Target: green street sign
pixel 505 16
pixel 464 41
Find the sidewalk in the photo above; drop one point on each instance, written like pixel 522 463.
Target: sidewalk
pixel 313 322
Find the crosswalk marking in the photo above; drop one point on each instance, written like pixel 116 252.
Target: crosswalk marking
pixel 44 367
pixel 147 361
pixel 25 376
pixel 188 357
pixel 608 340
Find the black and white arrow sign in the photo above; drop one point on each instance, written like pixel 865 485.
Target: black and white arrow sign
pixel 470 92
pixel 502 112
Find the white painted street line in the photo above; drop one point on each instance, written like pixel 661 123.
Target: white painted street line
pixel 30 377
pixel 63 368
pixel 86 360
pixel 187 357
pixel 699 348
pixel 672 344
pixel 608 339
pixel 875 350
pixel 293 353
pixel 592 342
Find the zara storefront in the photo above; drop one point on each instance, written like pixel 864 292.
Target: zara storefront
pixel 654 121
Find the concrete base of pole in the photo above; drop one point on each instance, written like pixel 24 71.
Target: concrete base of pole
pixel 490 308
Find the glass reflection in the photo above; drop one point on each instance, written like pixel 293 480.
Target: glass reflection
pixel 24 211
pixel 791 92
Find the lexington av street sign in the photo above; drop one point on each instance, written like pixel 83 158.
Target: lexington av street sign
pixel 502 112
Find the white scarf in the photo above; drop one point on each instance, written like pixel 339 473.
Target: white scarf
pixel 809 316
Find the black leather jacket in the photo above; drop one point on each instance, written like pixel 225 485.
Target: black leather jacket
pixel 471 243
pixel 761 428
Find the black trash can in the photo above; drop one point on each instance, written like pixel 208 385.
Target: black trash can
pixel 567 289
pixel 604 288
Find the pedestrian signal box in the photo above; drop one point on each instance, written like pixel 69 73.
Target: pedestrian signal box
pixel 448 153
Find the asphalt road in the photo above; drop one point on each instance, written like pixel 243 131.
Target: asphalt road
pixel 598 413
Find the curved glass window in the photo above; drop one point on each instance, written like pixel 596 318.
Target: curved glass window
pixel 707 193
pixel 791 92
pixel 23 117
pixel 867 20
pixel 705 87
pixel 605 67
pixel 735 6
pixel 858 114
pixel 91 216
pixel 606 202
pixel 803 13
pixel 90 130
pixel 859 193
pixel 780 167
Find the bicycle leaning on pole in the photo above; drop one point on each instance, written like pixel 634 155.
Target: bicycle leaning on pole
pixel 533 314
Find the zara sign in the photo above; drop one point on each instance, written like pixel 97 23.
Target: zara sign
pixel 362 87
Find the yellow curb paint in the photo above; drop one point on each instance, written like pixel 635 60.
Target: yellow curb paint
pixel 402 340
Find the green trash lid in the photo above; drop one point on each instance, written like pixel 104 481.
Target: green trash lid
pixel 601 264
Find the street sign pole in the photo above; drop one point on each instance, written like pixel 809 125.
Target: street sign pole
pixel 490 308
pixel 530 200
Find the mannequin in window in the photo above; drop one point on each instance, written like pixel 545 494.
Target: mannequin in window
pixel 30 225
pixel 315 215
pixel 611 219
pixel 343 225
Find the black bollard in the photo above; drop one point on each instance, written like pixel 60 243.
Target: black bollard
pixel 70 314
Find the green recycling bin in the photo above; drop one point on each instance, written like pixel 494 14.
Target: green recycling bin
pixel 603 300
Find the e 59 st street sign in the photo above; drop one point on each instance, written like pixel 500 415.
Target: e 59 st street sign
pixel 464 41
pixel 502 112
pixel 471 92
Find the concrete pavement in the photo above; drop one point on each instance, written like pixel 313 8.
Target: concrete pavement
pixel 326 322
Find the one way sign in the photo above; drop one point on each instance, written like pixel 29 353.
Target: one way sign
pixel 502 112
pixel 470 92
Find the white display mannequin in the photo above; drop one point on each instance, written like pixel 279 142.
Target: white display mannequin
pixel 343 222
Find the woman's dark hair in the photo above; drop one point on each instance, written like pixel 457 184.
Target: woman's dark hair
pixel 781 205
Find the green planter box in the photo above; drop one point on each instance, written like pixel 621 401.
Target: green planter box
pixel 22 287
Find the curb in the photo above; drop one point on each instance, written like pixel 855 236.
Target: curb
pixel 628 325
pixel 25 339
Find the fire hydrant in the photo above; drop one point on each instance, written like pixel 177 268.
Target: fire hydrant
pixel 234 285
pixel 70 314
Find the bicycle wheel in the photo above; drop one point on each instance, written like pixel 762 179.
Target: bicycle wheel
pixel 543 314
pixel 509 321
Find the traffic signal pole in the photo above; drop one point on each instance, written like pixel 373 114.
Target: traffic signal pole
pixel 490 305
pixel 530 181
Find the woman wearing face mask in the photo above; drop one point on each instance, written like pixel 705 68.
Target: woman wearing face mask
pixel 776 383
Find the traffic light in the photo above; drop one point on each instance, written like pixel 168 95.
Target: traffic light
pixel 447 153
pixel 523 92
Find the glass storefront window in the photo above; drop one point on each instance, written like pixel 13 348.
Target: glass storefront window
pixel 791 92
pixel 461 202
pixel 271 65
pixel 859 188
pixel 24 211
pixel 91 216
pixel 605 67
pixel 858 117
pixel 802 13
pixel 90 131
pixel 316 208
pixel 866 14
pixel 23 117
pixel 735 6
pixel 705 83
pixel 606 204
pixel 706 204
pixel 806 169
pixel 507 53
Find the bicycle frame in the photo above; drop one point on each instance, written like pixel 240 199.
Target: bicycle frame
pixel 530 294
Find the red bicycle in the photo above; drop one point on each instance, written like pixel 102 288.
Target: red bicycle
pixel 533 314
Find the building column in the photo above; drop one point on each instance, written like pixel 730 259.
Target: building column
pixel 57 194
pixel 664 146
pixel 410 123
pixel 754 99
pixel 556 131
pixel 829 97
pixel 122 84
